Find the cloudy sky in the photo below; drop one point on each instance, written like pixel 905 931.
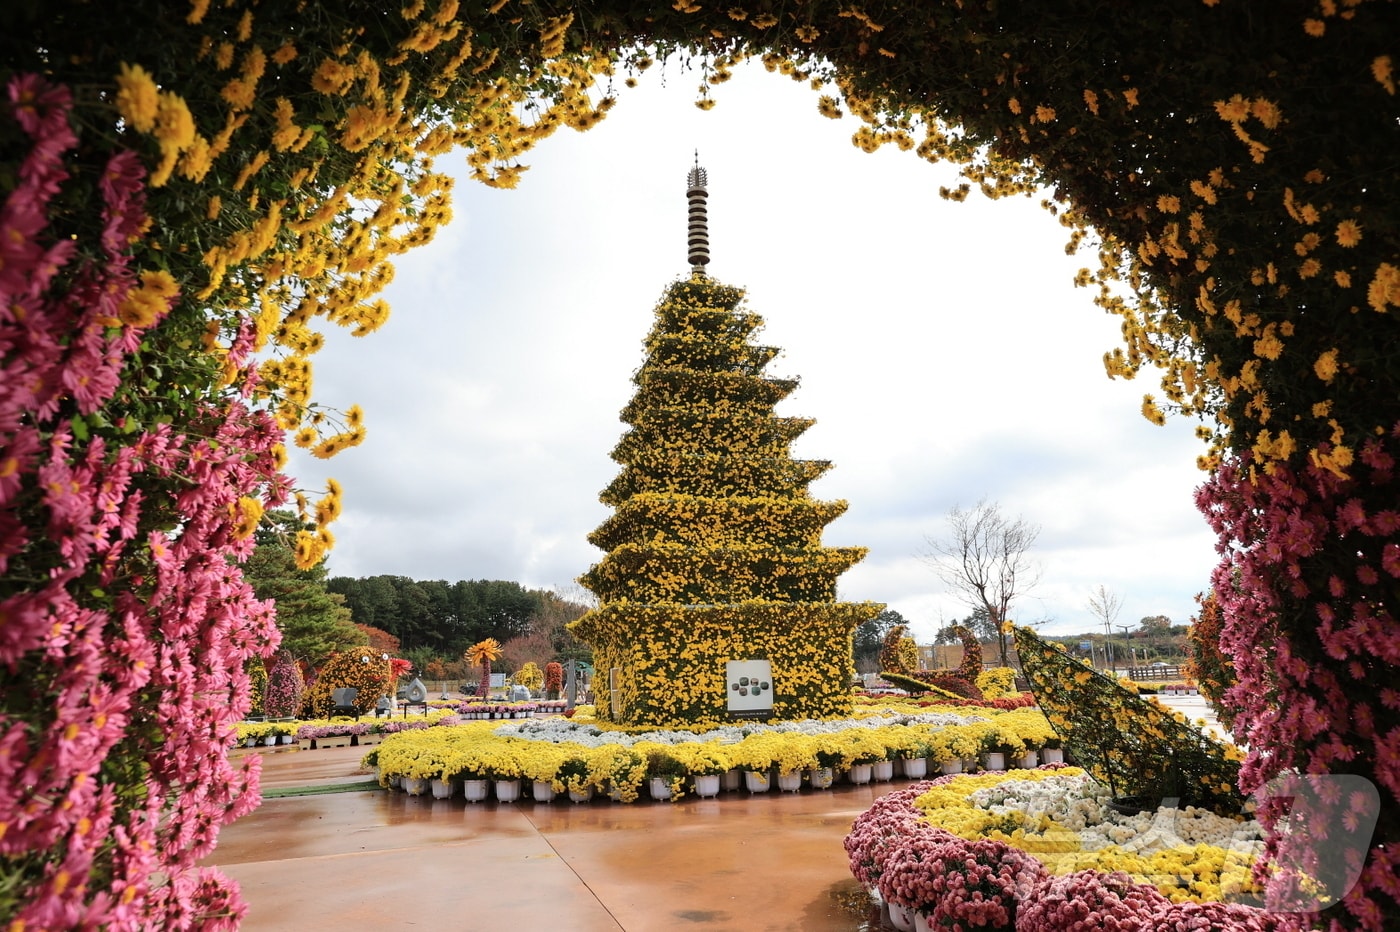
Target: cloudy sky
pixel 942 349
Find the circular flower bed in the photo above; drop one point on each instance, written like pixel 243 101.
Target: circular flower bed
pixel 1045 849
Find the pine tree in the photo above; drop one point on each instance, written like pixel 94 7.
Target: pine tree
pixel 314 621
pixel 714 551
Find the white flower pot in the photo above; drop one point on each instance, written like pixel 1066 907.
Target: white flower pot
pixel 476 790
pixel 706 785
pixel 902 917
pixel 951 766
pixel 731 779
pixel 284 739
pixel 1053 755
pixel 442 789
pixel 922 923
pixel 1029 760
pixel 543 791
pixel 821 778
pixel 914 767
pixel 790 782
pixel 269 740
pixel 882 770
pixel 756 782
pixel 250 742
pixel 860 773
pixel 415 786
pixel 582 796
pixel 994 760
pixel 507 791
pixel 659 788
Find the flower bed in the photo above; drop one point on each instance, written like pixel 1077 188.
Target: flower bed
pixel 577 755
pixel 1046 851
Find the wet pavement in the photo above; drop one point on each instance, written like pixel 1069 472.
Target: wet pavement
pixel 364 860
pixel 348 861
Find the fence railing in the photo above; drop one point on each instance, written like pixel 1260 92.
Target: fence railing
pixel 1143 674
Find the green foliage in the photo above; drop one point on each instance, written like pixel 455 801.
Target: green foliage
pixel 439 617
pixel 314 621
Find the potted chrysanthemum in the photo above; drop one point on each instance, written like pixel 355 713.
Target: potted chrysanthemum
pixel 665 774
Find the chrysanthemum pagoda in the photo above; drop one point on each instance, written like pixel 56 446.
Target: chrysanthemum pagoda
pixel 717 598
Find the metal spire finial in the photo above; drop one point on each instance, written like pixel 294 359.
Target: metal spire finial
pixel 698 231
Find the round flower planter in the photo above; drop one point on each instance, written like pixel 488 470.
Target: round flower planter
pixel 543 791
pixel 914 768
pixel 1052 755
pixel 790 782
pixel 994 760
pixel 507 791
pixel 902 917
pixel 731 779
pixel 415 786
pixel 581 796
pixel 882 770
pixel 659 788
pixel 951 766
pixel 476 790
pixel 442 789
pixel 1029 760
pixel 922 923
pixel 756 782
pixel 706 785
pixel 821 778
pixel 860 773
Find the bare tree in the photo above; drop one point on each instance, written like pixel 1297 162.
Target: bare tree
pixel 985 559
pixel 1105 605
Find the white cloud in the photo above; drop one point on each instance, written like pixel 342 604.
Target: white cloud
pixel 942 348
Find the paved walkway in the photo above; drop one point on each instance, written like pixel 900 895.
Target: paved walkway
pixel 383 861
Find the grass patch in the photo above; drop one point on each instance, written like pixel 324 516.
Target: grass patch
pixel 321 790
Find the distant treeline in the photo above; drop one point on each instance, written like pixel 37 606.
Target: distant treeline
pixel 438 616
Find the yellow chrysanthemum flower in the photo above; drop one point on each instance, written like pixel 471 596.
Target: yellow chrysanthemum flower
pixel 138 98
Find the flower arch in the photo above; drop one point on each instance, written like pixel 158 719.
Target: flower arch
pixel 188 196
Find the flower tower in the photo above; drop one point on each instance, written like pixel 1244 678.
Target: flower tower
pixel 716 596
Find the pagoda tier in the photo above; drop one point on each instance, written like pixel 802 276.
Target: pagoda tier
pixel 714 474
pixel 710 575
pixel 724 391
pixel 680 428
pixel 699 521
